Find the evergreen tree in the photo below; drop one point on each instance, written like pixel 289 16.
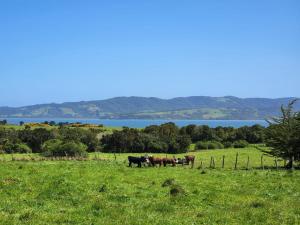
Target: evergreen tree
pixel 283 135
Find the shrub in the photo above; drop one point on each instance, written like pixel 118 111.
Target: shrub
pixel 9 147
pixel 227 144
pixel 240 144
pixel 209 145
pixel 22 148
pixel 201 145
pixel 59 148
pixel 215 145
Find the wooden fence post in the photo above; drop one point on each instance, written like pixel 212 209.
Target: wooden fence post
pixel 236 160
pixel 223 161
pixel 262 162
pixel 248 159
pixel 212 162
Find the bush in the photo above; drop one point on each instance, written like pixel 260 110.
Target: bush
pixel 209 145
pixel 59 148
pixel 22 148
pixel 227 144
pixel 8 147
pixel 240 144
pixel 201 145
pixel 15 148
pixel 215 145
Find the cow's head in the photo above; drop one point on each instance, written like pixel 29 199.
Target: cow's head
pixel 144 159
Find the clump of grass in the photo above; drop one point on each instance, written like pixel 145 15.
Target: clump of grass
pixel 196 192
pixel 9 181
pixel 257 204
pixel 203 172
pixel 164 207
pixel 168 182
pixel 289 173
pixel 200 214
pixel 102 188
pixel 96 208
pixel 177 190
pixel 26 216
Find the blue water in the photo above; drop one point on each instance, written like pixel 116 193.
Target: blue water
pixel 138 123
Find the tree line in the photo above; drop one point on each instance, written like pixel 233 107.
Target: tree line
pixel 169 138
pixel 59 141
pixel 165 138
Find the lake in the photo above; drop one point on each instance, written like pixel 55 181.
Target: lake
pixel 139 123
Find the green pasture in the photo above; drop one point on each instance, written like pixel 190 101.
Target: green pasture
pixel 109 192
pixel 257 158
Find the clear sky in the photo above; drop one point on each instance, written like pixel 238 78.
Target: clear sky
pixel 59 50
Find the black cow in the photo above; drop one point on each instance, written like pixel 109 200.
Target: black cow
pixel 181 161
pixel 137 160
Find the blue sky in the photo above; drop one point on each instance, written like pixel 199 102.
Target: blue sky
pixel 57 51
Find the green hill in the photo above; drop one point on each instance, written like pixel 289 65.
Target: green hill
pixel 195 107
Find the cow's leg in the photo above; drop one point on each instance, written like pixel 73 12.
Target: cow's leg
pixel 139 164
pixel 193 161
pixel 130 164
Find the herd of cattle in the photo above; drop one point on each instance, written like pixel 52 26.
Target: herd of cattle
pixel 153 161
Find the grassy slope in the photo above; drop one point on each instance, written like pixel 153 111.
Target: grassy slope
pixel 204 113
pixel 72 192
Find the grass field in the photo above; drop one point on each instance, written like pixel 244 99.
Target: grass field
pixel 109 192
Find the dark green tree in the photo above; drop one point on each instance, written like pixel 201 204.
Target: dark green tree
pixel 36 137
pixel 3 122
pixel 283 135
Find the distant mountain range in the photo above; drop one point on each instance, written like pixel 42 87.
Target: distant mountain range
pixel 195 107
